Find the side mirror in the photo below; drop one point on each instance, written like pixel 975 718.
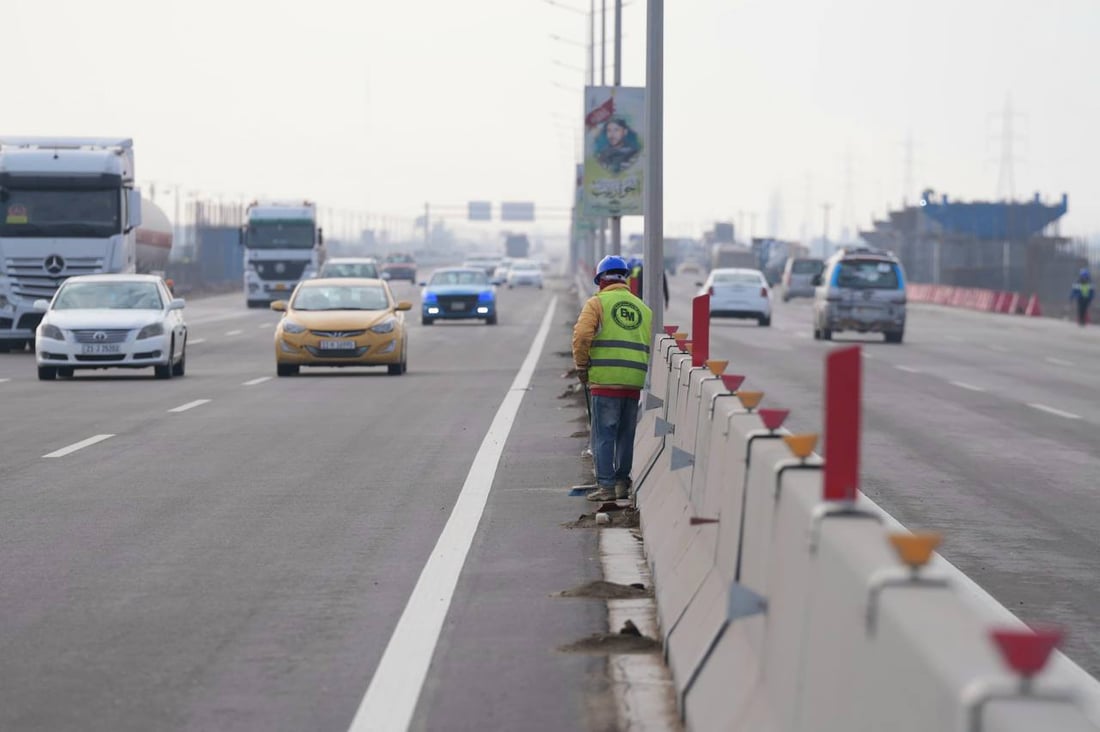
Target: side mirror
pixel 698 284
pixel 320 235
pixel 404 305
pixel 134 209
pixel 240 235
pixel 41 305
pixel 817 281
pixel 176 304
pixel 279 306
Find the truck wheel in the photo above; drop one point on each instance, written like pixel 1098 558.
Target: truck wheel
pixel 826 334
pixel 5 346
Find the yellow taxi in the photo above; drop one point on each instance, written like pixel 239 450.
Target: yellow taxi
pixel 341 322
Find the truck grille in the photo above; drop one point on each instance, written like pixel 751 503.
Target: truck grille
pixel 109 336
pixel 280 269
pixel 31 280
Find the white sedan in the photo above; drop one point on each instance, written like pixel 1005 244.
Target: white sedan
pixel 111 321
pixel 739 293
pixel 525 272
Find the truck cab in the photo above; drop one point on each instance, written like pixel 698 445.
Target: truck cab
pixel 68 207
pixel 282 246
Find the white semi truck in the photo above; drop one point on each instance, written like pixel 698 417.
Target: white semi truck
pixel 282 246
pixel 68 207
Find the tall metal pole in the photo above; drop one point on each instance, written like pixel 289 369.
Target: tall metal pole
pixel 427 226
pixel 604 249
pixel 654 169
pixel 617 221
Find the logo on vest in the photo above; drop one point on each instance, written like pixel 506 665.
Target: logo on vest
pixel 627 315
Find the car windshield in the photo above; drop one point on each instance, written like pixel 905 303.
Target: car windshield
pixel 525 266
pixel 43 212
pixel 109 296
pixel 280 235
pixel 807 266
pixel 736 278
pixel 341 297
pixel 459 277
pixel 349 269
pixel 399 259
pixel 867 274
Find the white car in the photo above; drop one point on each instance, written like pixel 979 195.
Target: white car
pixel 500 274
pixel 525 272
pixel 739 293
pixel 487 262
pixel 111 321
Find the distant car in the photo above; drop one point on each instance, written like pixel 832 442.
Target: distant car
pixel 111 321
pixel 798 276
pixel 500 273
pixel 459 293
pixel 399 267
pixel 484 262
pixel 524 272
pixel 690 266
pixel 341 322
pixel 739 293
pixel 862 290
pixel 362 267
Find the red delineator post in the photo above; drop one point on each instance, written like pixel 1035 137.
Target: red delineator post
pixel 700 330
pixel 843 401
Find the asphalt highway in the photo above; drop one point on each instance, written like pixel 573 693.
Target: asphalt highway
pixel 232 551
pixel 985 427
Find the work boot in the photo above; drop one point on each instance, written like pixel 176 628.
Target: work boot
pixel 602 494
pixel 622 489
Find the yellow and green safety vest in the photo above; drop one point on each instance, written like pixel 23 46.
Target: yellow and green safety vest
pixel 620 351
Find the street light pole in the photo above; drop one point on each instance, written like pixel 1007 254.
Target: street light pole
pixel 617 221
pixel 654 195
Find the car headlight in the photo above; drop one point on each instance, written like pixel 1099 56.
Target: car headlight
pixel 429 297
pixel 289 326
pixel 386 326
pixel 485 296
pixel 153 329
pixel 52 332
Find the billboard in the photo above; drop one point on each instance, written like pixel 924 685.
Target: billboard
pixel 479 211
pixel 517 211
pixel 614 150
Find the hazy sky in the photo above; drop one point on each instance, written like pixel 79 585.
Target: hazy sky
pixel 381 105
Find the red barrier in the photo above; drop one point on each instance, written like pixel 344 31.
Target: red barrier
pixel 700 329
pixel 843 386
pixel 1034 310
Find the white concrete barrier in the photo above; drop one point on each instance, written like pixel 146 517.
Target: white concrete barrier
pixel 767 613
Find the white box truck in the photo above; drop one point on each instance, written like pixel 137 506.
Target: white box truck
pixel 282 246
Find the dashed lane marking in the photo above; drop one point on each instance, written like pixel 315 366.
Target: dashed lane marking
pixel 1058 361
pixel 260 380
pixel 77 446
pixel 968 387
pixel 190 405
pixel 908 369
pixel 391 697
pixel 1055 412
pixel 4 381
pixel 234 332
pixel 195 341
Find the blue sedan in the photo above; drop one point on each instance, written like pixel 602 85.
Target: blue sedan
pixel 459 293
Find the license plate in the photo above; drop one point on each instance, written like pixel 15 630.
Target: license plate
pixel 458 306
pixel 337 345
pixel 280 286
pixel 98 349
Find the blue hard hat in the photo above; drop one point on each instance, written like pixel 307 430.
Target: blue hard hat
pixel 634 262
pixel 1085 272
pixel 610 264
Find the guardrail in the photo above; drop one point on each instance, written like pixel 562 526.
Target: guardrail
pixel 790 601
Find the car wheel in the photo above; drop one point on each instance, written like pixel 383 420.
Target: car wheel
pixel 47 373
pixel 895 337
pixel 5 346
pixel 765 322
pixel 426 321
pixel 286 369
pixel 491 320
pixel 181 366
pixel 511 287
pixel 66 372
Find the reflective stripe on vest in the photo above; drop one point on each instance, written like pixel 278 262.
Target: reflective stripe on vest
pixel 620 351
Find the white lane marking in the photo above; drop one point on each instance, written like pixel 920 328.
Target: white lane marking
pixel 260 380
pixel 391 697
pixel 265 326
pixel 1058 361
pixel 868 355
pixel 964 385
pixel 1055 412
pixel 908 369
pixel 195 341
pixel 190 405
pixel 234 332
pixel 77 446
pixel 3 381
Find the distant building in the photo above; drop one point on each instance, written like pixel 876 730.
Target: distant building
pixel 1008 245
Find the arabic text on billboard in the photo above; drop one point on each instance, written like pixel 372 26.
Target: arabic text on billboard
pixel 614 150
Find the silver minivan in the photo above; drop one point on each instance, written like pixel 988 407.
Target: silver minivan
pixel 860 290
pixel 798 277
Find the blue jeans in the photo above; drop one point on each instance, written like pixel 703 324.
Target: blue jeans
pixel 613 423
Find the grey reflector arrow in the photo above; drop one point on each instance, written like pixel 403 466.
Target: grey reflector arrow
pixel 652 401
pixel 663 427
pixel 743 603
pixel 680 459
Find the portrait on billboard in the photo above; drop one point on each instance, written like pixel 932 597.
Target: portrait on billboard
pixel 614 150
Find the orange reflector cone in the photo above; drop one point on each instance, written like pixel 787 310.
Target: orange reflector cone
pixel 688 345
pixel 750 399
pixel 915 550
pixel 801 446
pixel 679 336
pixel 717 367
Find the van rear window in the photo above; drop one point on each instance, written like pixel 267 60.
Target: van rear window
pixel 807 266
pixel 867 275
